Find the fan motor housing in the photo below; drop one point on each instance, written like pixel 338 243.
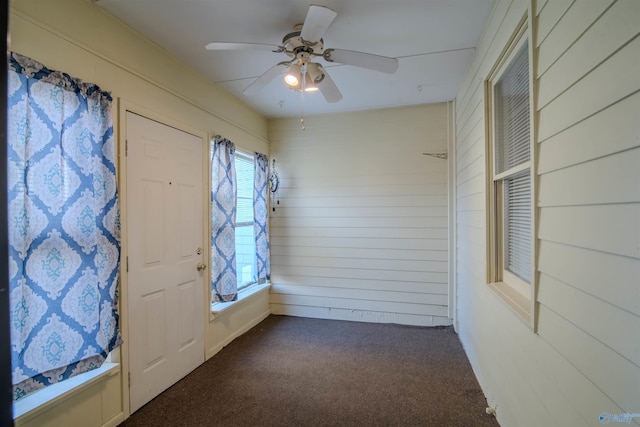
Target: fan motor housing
pixel 301 49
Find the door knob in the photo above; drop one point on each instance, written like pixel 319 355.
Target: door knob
pixel 201 266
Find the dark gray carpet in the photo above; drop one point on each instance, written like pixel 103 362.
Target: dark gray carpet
pixel 291 371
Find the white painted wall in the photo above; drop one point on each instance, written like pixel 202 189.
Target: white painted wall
pixel 361 229
pixel 77 37
pixel 585 358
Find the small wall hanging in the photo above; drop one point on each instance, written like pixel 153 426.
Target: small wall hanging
pixel 274 185
pixel 443 155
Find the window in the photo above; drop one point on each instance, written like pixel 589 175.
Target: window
pixel 239 229
pixel 64 232
pixel 510 187
pixel 245 240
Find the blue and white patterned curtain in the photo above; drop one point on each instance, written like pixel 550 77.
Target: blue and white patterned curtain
pixel 64 234
pixel 260 214
pixel 223 221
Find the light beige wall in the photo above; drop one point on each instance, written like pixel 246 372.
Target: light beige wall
pixel 79 38
pixel 585 358
pixel 242 316
pixel 95 405
pixel 361 229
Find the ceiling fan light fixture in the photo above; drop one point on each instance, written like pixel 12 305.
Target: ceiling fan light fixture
pixel 291 80
pixel 315 73
pixel 305 86
pixel 310 85
pixel 293 76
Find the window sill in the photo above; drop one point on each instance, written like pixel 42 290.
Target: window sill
pixel 40 401
pixel 517 302
pixel 220 308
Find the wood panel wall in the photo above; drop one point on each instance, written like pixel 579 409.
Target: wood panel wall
pixel 585 358
pixel 361 229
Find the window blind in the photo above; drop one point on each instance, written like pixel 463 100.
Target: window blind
pixel 512 114
pixel 244 179
pixel 512 149
pixel 517 233
pixel 245 241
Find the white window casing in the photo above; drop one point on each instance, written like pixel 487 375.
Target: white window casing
pixel 511 177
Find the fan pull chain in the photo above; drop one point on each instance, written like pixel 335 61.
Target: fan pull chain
pixel 302 110
pixel 303 85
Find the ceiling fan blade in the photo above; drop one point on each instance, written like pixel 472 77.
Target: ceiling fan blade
pixel 316 23
pixel 360 59
pixel 259 83
pixel 329 89
pixel 243 46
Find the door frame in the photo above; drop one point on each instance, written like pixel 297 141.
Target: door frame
pixel 120 129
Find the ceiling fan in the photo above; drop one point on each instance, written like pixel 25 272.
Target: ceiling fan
pixel 302 46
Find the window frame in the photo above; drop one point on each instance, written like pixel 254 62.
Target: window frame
pixel 511 289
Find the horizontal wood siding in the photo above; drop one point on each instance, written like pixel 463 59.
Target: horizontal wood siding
pixel 585 357
pixel 361 229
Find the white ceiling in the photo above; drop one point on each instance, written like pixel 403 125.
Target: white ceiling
pixel 434 41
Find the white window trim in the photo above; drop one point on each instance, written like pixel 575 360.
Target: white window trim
pixel 245 295
pixel 517 294
pixel 513 171
pixel 42 400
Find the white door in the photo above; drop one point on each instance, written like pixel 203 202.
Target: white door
pixel 165 235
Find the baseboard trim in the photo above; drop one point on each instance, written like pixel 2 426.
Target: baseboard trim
pixel 113 422
pixel 359 315
pixel 253 322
